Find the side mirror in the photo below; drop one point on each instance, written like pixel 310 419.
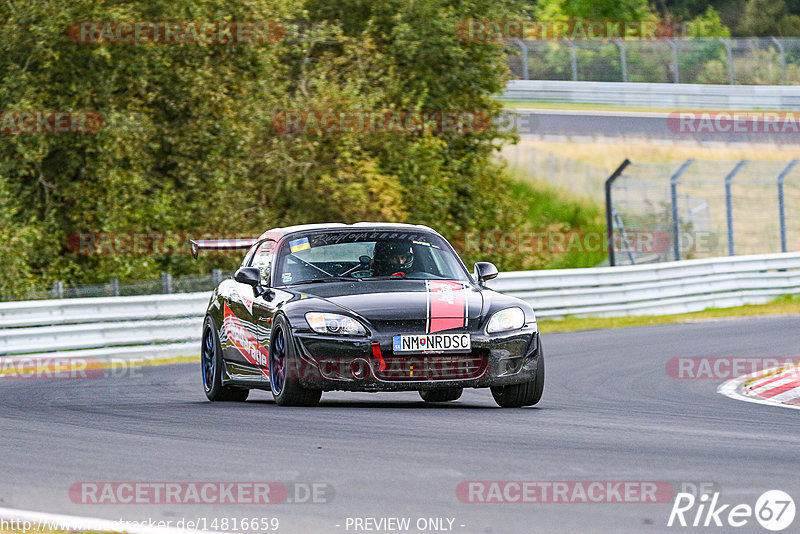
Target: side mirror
pixel 248 275
pixel 485 271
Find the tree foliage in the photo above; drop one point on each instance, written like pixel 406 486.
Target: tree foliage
pixel 188 142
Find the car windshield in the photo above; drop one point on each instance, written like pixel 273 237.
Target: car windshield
pixel 373 255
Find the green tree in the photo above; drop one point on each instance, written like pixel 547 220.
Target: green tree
pixel 188 142
pixel 707 24
pixel 763 17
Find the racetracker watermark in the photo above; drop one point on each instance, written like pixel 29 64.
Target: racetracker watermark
pixel 564 492
pixel 294 122
pixel 560 242
pixel 734 122
pixel 50 122
pixel 177 32
pixel 211 492
pixel 561 30
pixel 724 367
pixel 49 368
pixel 143 243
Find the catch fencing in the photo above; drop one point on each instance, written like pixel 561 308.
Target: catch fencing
pixel 698 60
pixel 157 326
pixel 167 284
pixel 707 208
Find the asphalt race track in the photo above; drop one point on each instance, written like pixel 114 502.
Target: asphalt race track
pixel 610 412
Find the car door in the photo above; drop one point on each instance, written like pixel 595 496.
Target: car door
pixel 247 352
pixel 266 305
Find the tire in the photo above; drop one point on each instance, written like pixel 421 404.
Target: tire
pixel 525 394
pixel 441 395
pixel 284 369
pixel 211 365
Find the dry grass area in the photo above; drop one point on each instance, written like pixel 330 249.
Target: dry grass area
pixel 608 155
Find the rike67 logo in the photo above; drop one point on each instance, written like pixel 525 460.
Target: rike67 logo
pixel 774 510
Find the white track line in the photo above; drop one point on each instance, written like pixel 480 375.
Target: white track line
pixel 70 522
pixel 733 389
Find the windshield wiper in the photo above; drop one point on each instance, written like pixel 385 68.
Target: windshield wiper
pixel 323 280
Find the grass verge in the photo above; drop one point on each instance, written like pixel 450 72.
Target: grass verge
pixel 789 304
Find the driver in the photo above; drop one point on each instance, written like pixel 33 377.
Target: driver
pixel 392 257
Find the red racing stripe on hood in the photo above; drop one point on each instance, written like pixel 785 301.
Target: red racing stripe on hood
pixel 447 305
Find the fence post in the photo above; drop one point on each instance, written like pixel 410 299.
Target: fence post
pixel 673 189
pixel 729 203
pixel 114 283
pixel 166 282
pixel 58 289
pixel 623 59
pixel 609 207
pixel 731 76
pixel 783 59
pixel 524 49
pixel 675 72
pixel 216 276
pixel 573 59
pixel 781 201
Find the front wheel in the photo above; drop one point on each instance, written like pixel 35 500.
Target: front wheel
pixel 211 365
pixel 441 395
pixel 284 368
pixel 525 394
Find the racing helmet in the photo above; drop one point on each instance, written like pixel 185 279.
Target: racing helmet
pixel 392 256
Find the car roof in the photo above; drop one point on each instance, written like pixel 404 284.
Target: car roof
pixel 277 233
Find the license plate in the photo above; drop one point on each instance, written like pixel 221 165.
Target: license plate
pixel 431 343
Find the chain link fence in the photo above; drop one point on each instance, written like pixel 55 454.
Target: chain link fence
pixel 114 288
pixel 705 208
pixel 704 60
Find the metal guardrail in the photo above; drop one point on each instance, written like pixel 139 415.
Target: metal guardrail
pixel 104 327
pixel 170 325
pixel 662 288
pixel 659 95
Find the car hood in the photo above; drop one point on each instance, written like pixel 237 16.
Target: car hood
pixel 410 305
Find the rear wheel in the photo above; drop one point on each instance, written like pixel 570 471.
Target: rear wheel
pixel 284 369
pixel 211 366
pixel 525 394
pixel 441 395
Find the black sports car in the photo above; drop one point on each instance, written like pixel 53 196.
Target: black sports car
pixel 365 307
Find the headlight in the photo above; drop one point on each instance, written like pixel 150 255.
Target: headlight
pixel 331 323
pixel 504 320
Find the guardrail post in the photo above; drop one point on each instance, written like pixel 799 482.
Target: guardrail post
pixel 166 282
pixel 729 203
pixel 676 78
pixel 731 76
pixel 783 59
pixel 114 283
pixel 782 202
pixel 216 276
pixel 58 289
pixel 609 207
pixel 623 59
pixel 573 59
pixel 673 189
pixel 524 49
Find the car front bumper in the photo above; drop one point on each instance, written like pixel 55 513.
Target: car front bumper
pixel 353 364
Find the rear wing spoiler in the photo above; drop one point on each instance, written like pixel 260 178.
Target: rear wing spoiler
pixel 221 244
